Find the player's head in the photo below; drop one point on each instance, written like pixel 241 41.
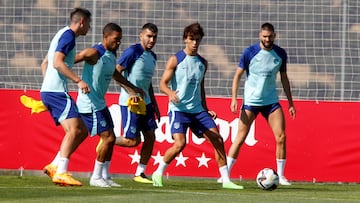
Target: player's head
pixel 192 37
pixel 82 18
pixel 267 36
pixel 112 34
pixel 148 36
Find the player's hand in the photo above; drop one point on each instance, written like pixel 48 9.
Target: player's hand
pixel 234 106
pixel 84 87
pixel 212 114
pixel 134 97
pixel 292 112
pixel 173 97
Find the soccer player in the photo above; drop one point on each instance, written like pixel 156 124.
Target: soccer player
pixel 54 92
pixel 261 62
pixel 185 73
pixel 137 64
pixel 99 68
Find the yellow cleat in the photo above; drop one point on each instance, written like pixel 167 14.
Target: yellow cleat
pixel 50 170
pixel 142 179
pixel 65 179
pixel 98 145
pixel 36 106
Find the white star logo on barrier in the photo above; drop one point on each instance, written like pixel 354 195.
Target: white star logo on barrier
pixel 135 158
pixel 180 160
pixel 158 158
pixel 203 161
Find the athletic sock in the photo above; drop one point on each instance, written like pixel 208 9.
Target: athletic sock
pixel 62 165
pixel 224 172
pixel 140 169
pixel 280 164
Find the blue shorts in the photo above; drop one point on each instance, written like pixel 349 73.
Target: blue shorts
pixel 197 122
pixel 264 110
pixel 98 122
pixel 60 105
pixel 133 124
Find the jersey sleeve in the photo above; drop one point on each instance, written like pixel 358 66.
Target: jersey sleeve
pixel 66 42
pixel 128 57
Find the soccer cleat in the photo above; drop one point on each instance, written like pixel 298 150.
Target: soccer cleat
pixel 98 145
pixel 142 179
pixel 157 180
pixel 219 180
pixel 100 182
pixel 50 170
pixel 231 185
pixel 65 179
pixel 283 181
pixel 110 182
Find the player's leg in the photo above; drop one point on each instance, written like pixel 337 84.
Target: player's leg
pixel 246 119
pixel 148 125
pixel 103 151
pixel 170 154
pixel 145 155
pixel 213 136
pixel 276 122
pixel 75 134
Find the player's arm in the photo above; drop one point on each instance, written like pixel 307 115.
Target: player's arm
pixel 89 55
pixel 168 73
pixel 286 86
pixel 124 83
pixel 44 65
pixel 154 102
pixel 59 65
pixel 234 89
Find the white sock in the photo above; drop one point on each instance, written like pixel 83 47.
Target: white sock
pixel 98 167
pixel 62 165
pixel 106 170
pixel 224 172
pixel 280 164
pixel 230 162
pixel 140 169
pixel 161 168
pixel 55 162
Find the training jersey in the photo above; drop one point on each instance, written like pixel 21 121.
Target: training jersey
pixel 261 68
pixel 186 80
pixel 139 67
pixel 98 77
pixel 63 41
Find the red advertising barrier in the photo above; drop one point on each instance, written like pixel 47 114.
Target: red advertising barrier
pixel 322 142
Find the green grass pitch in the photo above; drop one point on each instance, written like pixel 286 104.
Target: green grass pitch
pixel 34 188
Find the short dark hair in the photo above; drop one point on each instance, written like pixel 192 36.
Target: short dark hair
pixel 268 26
pixel 150 26
pixel 78 13
pixel 111 27
pixel 193 29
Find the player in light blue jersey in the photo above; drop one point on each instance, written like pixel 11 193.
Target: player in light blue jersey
pixel 185 72
pixel 262 62
pixel 57 69
pixel 99 69
pixel 137 64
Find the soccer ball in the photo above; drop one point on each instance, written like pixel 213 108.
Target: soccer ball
pixel 267 179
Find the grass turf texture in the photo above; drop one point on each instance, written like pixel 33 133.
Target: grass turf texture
pixel 40 189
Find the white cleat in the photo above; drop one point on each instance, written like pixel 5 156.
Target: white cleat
pixel 110 182
pixel 283 181
pixel 98 182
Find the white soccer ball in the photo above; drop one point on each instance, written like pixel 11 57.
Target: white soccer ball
pixel 267 179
